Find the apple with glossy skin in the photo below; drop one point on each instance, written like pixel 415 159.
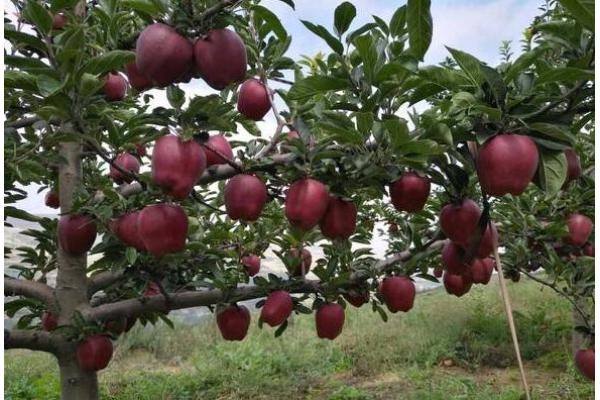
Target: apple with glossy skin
pixel 459 220
pixel 585 362
pixel 177 165
pixel 52 200
pixel 162 54
pixel 452 258
pixel 481 270
pixel 94 352
pixel 330 320
pixel 573 165
pixel 580 228
pixel 59 20
pixel 163 228
pixel 220 57
pixel 127 230
pixel 277 308
pixel 222 147
pixel 398 293
pixel 410 192
pixel 305 203
pixel 76 233
pixel 115 87
pixel 233 322
pixel 506 163
pixel 339 221
pixel 49 321
pixel 251 264
pixel 127 162
pixel 357 297
pixel 137 80
pixel 589 250
pixel 304 260
pixel 253 100
pixel 457 285
pixel 245 197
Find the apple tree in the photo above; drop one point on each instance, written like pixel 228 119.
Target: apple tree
pixel 170 207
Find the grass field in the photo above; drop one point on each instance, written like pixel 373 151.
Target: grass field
pixel 445 348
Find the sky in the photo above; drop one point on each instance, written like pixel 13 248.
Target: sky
pixel 475 26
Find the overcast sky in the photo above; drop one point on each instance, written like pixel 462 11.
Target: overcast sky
pixel 474 26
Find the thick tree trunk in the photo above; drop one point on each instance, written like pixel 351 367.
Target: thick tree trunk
pixel 75 383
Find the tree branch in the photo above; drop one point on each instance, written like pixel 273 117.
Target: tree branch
pixel 209 12
pixel 32 289
pixel 102 280
pixel 30 339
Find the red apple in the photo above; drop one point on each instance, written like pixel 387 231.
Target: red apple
pixel 339 221
pixel 457 285
pixel 49 321
pixel 94 352
pixel 459 220
pixel 410 192
pixel 177 165
pixel 589 250
pixel 222 147
pixel 304 260
pixel 580 228
pixel 398 293
pixel 59 20
pixel 233 322
pixel 136 79
pixel 162 54
pixel 486 244
pixel 253 100
pixel 127 230
pixel 357 297
pixel 393 228
pixel 481 270
pixel 115 87
pixel 251 263
pixel 52 199
pixel 277 308
pixel 585 362
pixel 573 165
pixel 163 228
pixel 220 57
pixel 245 196
pixel 506 163
pixel 306 203
pixel 330 321
pixel 452 258
pixel 127 162
pixel 152 289
pixel 76 233
pixel 437 272
pixel 118 326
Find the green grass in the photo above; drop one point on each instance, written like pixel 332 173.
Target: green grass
pixel 445 348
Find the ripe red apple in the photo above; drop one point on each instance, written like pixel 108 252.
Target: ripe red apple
pixel 580 228
pixel 253 100
pixel 115 87
pixel 94 352
pixel 233 322
pixel 459 220
pixel 127 230
pixel 306 202
pixel 506 163
pixel 393 228
pixel 304 260
pixel 277 308
pixel 437 272
pixel 163 228
pixel 245 196
pixel 589 250
pixel 76 233
pixel 457 285
pixel 410 192
pixel 398 293
pixel 251 263
pixel 357 297
pixel 177 165
pixel 59 20
pixel 152 289
pixel 223 148
pixel 585 362
pixel 162 54
pixel 220 57
pixel 330 320
pixel 452 258
pixel 127 162
pixel 136 79
pixel 52 199
pixel 339 221
pixel 49 321
pixel 573 165
pixel 486 244
pixel 481 270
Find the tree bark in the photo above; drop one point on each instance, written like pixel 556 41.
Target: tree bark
pixel 75 383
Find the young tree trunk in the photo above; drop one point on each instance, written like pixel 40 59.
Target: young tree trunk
pixel 577 338
pixel 75 383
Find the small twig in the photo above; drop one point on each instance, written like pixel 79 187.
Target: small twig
pixel 281 80
pixel 209 12
pixel 222 156
pixel 100 152
pixel 196 197
pixel 553 104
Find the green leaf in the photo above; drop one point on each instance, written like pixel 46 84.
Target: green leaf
pixel 565 74
pixel 469 64
pixel 423 92
pixel 131 255
pixel 397 132
pixel 175 96
pixel 523 62
pixel 152 8
pixel 552 171
pixel 441 133
pixel 313 85
pixel 364 122
pixel 368 53
pixel 47 85
pixel 582 13
pixel 365 28
pixel 59 5
pixel 289 3
pixel 553 131
pixel 420 26
pixel 39 16
pixel 398 21
pixel 324 34
pixel 22 39
pixel 13 212
pixel 271 20
pixel 112 60
pixel 496 85
pixel 281 329
pixel 343 16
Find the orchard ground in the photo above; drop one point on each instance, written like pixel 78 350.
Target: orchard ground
pixel 445 348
